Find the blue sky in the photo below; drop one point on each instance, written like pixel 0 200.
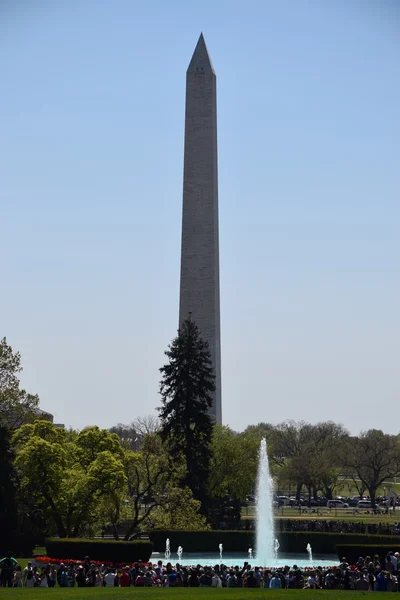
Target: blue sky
pixel 91 160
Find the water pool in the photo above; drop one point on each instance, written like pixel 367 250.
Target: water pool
pixel 233 559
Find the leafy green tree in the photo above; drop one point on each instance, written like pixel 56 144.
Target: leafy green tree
pixel 373 457
pixel 233 466
pixel 186 391
pixel 179 510
pixel 92 441
pixel 68 483
pixel 261 430
pixel 149 472
pixel 16 405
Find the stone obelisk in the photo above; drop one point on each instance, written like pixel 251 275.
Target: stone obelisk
pixel 199 289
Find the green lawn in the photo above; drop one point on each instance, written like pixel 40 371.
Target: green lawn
pixel 186 593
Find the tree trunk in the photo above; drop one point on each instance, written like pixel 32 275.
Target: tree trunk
pixel 298 491
pixel 372 495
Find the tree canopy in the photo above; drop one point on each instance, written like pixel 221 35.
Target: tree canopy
pixel 16 405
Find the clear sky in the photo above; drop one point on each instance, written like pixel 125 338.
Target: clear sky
pixel 91 160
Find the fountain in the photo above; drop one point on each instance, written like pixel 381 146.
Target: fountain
pixel 265 516
pixel 276 548
pixel 179 553
pixel 220 552
pixel 309 550
pixel 250 553
pixel 167 549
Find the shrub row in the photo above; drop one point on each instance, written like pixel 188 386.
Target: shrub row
pixel 241 541
pixel 352 552
pixel 104 550
pixel 19 545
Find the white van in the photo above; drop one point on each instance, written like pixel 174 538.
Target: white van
pixel 364 504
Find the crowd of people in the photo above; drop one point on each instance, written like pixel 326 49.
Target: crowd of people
pixel 369 574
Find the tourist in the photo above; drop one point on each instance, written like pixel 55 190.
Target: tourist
pixel 52 576
pixel 7 565
pixel 109 577
pixel 80 577
pixel 17 580
pixel 215 580
pixel 193 580
pixel 381 582
pixel 125 579
pixel 275 582
pixel 250 580
pixel 42 579
pixel 361 583
pixel 28 576
pixel 311 582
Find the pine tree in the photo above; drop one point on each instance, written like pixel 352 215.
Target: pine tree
pixel 186 390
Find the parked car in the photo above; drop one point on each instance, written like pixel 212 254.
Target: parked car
pixel 283 500
pixel 294 502
pixel 336 504
pixel 364 504
pixel 354 500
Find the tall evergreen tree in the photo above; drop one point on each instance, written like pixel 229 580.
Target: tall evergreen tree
pixel 186 390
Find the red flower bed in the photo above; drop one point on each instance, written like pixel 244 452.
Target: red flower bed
pixel 72 562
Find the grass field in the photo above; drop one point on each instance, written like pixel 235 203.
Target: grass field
pixel 176 594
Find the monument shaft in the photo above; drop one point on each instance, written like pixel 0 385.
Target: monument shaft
pixel 199 284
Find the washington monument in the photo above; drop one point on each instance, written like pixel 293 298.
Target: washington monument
pixel 199 285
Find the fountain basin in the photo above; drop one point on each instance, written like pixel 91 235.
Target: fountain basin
pixel 232 559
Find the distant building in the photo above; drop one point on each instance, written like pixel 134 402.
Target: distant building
pixel 42 414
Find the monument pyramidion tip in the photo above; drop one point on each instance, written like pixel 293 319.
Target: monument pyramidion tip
pixel 201 61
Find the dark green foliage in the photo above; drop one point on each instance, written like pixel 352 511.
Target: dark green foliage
pixel 186 390
pixel 20 523
pixel 352 552
pixel 8 503
pixel 104 550
pixel 240 541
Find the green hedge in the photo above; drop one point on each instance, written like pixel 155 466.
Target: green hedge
pixel 241 541
pixel 19 545
pixel 104 550
pixel 352 552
